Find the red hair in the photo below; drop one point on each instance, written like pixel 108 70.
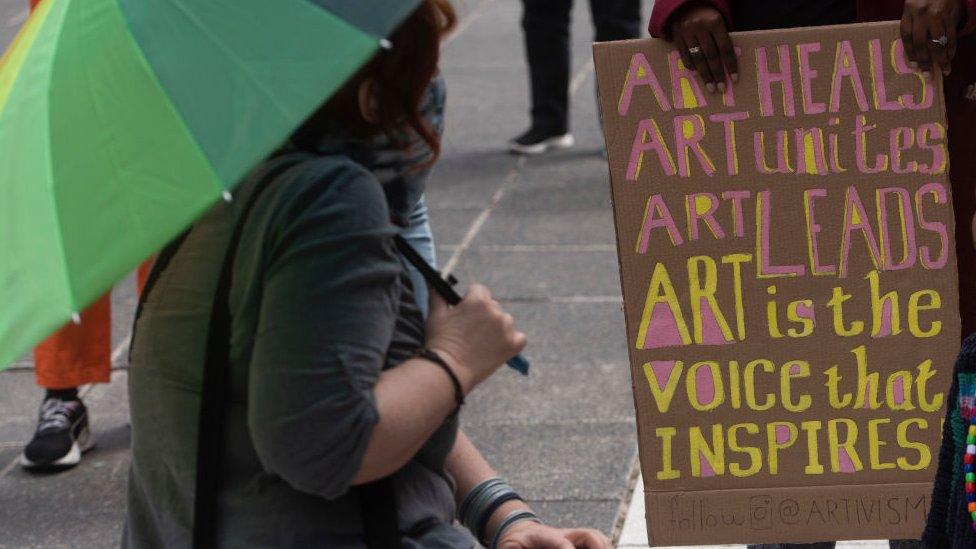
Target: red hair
pixel 400 77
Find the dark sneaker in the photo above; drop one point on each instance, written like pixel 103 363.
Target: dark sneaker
pixel 535 142
pixel 61 437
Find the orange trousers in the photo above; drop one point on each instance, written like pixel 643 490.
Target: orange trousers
pixel 81 353
pixel 78 354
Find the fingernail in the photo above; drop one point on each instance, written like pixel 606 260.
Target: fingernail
pixel 721 87
pixel 913 64
pixel 735 77
pixel 710 87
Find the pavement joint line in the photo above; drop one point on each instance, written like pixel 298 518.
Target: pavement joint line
pixel 120 349
pixel 562 299
pixel 580 77
pixel 479 221
pixel 9 467
pixel 537 248
pixel 467 21
pixel 510 178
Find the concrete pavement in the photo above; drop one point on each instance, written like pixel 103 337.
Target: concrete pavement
pixel 537 231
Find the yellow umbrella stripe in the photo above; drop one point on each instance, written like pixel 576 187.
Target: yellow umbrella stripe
pixel 13 59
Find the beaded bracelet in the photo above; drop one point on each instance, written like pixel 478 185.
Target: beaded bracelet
pixel 508 521
pixel 968 470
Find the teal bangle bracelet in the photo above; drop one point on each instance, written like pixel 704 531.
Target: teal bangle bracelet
pixel 507 522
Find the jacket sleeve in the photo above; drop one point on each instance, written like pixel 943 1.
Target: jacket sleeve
pixel 940 524
pixel 970 25
pixel 328 310
pixel 935 533
pixel 664 9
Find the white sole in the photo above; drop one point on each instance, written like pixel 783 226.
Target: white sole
pixel 82 444
pixel 559 142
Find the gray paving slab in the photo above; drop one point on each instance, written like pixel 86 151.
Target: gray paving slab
pixel 574 377
pixel 561 461
pixel 556 191
pixel 83 507
pixel 600 514
pixel 19 400
pixel 548 397
pixel 467 179
pixel 12 14
pixel 542 275
pixel 124 301
pixel 450 225
pixel 578 333
pixel 548 228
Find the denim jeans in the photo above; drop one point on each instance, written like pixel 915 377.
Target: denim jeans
pixel 419 235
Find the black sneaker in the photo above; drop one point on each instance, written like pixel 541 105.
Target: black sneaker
pixel 61 437
pixel 535 142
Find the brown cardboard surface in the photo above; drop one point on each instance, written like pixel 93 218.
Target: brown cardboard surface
pixel 796 515
pixel 792 314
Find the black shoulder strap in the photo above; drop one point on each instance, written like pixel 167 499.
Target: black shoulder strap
pixel 214 392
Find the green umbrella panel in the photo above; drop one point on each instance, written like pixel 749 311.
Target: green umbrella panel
pixel 121 121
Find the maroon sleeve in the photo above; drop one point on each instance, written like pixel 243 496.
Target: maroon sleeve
pixel 663 9
pixel 970 15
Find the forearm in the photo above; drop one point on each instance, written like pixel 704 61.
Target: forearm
pixel 469 469
pixel 413 400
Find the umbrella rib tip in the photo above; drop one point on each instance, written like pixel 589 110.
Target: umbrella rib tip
pixel 75 318
pixel 386 44
pixel 228 197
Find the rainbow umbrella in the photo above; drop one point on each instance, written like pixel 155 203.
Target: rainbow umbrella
pixel 121 121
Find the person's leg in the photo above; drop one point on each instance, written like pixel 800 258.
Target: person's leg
pixel 75 355
pixel 142 274
pixel 616 19
pixel 546 27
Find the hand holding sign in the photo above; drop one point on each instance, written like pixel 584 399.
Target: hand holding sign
pixel 928 29
pixel 701 37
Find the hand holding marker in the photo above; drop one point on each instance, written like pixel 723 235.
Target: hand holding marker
pixel 445 289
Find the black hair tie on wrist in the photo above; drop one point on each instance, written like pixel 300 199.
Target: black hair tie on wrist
pixel 427 354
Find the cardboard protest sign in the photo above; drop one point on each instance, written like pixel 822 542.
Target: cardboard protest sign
pixel 789 282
